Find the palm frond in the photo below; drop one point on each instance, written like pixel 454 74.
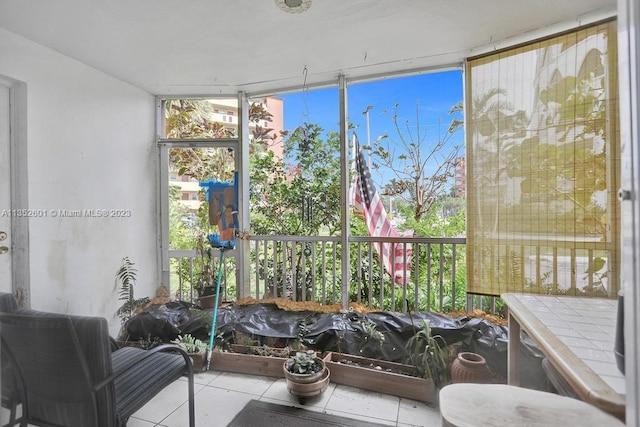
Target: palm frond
pixel 127 275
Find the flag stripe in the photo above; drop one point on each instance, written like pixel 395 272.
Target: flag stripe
pixel 396 257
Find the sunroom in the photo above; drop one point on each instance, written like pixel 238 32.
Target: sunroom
pixel 85 90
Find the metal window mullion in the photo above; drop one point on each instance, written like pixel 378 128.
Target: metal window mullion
pixel 415 253
pixel 429 276
pixel 314 253
pixel 359 273
pixel 538 269
pixel 573 271
pixel 453 277
pixel 324 271
pixel 370 278
pixel 334 280
pixel 441 276
pixel 285 277
pixel 303 272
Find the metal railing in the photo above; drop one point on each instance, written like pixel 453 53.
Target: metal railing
pixel 186 267
pixel 303 268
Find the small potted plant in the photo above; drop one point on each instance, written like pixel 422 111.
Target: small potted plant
pixel 204 278
pixel 196 349
pixel 306 375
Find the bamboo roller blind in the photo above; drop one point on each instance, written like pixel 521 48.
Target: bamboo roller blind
pixel 543 166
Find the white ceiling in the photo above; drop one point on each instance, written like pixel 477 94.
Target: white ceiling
pixel 184 47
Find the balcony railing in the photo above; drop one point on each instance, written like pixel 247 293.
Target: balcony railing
pixel 304 268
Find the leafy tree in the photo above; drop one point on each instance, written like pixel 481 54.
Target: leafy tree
pixel 299 198
pixel 303 196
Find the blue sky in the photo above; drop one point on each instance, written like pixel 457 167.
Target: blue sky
pixel 433 94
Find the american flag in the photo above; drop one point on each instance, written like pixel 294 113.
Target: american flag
pixel 396 257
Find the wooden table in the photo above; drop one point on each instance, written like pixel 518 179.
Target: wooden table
pixel 577 336
pixel 499 405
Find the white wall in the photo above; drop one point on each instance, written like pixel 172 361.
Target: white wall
pixel 90 146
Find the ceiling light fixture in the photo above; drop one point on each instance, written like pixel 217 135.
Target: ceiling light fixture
pixel 294 6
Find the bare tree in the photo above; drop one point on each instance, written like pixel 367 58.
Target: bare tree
pixel 422 169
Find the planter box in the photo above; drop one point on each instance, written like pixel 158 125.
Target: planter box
pixel 199 362
pixel 242 362
pixel 389 379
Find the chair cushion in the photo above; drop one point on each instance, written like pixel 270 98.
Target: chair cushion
pixel 143 380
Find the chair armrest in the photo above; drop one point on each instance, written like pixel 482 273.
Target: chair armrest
pixel 114 344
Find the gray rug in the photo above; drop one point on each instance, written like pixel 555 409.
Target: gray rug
pixel 264 414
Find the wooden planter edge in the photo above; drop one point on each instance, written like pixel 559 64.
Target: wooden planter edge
pixel 381 381
pixel 240 362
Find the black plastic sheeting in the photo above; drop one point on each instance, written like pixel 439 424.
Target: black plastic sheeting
pixel 166 322
pixel 350 332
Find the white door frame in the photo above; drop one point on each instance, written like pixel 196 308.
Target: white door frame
pixel 239 145
pixel 629 73
pixel 19 199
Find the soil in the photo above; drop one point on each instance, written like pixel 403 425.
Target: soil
pixel 374 367
pixel 481 314
pixel 288 305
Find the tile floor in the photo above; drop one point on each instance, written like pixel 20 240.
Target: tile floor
pixel 221 395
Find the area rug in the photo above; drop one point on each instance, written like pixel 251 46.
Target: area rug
pixel 264 414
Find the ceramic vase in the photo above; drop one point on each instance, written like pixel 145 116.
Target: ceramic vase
pixel 470 368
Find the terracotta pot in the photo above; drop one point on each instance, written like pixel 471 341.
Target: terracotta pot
pixel 470 368
pixel 207 302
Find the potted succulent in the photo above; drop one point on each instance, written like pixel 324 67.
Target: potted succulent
pixel 196 349
pixel 306 375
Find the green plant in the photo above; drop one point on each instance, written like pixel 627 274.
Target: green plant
pixel 127 275
pixel 265 350
pixel 303 331
pixel 304 363
pixel 430 358
pixel 149 342
pixel 190 343
pixel 372 339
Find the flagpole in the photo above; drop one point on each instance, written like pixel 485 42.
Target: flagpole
pixel 353 150
pixel 366 113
